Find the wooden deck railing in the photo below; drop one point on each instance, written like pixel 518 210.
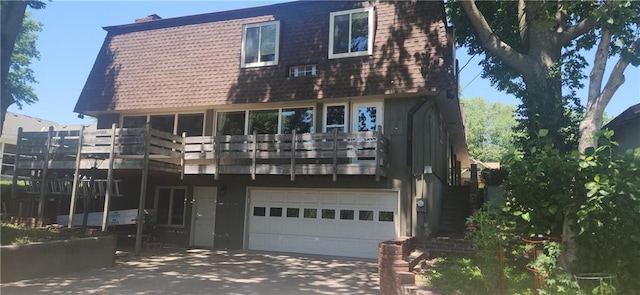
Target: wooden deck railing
pixel 360 153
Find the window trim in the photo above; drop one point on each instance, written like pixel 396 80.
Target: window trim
pixel 175 119
pixel 243 64
pixel 347 116
pixel 279 109
pixel 379 115
pixel 186 201
pixel 294 71
pixel 369 50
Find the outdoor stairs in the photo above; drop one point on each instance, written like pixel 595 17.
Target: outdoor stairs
pixel 454 212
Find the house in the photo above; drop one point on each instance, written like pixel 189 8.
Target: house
pixel 626 128
pixel 317 127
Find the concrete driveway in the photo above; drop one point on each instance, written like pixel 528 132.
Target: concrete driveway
pixel 202 271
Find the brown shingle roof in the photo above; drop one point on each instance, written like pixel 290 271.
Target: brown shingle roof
pixel 194 61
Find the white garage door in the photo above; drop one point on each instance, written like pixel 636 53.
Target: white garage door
pixel 328 222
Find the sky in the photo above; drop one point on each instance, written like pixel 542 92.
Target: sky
pixel 73 34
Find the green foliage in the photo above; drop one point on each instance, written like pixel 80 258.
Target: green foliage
pixel 600 192
pixel 461 276
pixel 489 128
pixel 548 69
pixel 21 76
pixel 16 235
pixel 494 176
pixel 488 231
pixel 556 280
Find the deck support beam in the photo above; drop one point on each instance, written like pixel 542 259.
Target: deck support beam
pixel 45 167
pixel 107 196
pixel 76 179
pixel 143 190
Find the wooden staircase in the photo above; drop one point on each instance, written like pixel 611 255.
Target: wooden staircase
pixel 455 210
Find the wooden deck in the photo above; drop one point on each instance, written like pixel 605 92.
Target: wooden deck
pixel 361 153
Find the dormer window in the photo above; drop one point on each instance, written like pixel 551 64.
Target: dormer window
pixel 351 33
pixel 260 44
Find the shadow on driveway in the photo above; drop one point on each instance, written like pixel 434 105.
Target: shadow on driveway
pixel 203 271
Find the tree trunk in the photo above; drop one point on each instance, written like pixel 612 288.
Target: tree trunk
pixel 12 17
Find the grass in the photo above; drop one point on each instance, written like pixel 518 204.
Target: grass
pixel 455 275
pixel 11 234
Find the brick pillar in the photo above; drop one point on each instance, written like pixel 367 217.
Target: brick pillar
pixel 392 268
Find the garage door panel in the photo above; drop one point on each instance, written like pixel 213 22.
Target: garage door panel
pixel 354 230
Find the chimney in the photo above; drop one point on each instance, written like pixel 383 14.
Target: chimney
pixel 148 18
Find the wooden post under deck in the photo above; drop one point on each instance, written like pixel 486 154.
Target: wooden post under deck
pixel 45 167
pixel 143 189
pixel 76 179
pixel 107 196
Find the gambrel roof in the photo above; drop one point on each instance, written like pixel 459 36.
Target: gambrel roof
pixel 194 61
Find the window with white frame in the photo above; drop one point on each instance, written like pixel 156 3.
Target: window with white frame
pixel 335 117
pixel 170 204
pixel 351 32
pixel 303 71
pixel 269 121
pixel 260 44
pixel 192 124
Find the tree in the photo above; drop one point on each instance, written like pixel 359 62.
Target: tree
pixel 489 128
pixel 12 16
pixel 533 49
pixel 20 75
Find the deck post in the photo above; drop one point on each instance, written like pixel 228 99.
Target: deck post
pixel 182 153
pixel 216 158
pixel 107 196
pixel 45 167
pixel 253 155
pixel 143 189
pixel 335 154
pixel 14 180
pixel 293 155
pixel 76 179
pixel 378 136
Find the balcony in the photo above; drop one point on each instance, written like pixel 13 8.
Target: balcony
pixel 360 153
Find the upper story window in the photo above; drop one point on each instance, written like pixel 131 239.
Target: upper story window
pixel 351 33
pixel 260 44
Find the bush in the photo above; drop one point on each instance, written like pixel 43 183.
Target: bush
pixel 599 192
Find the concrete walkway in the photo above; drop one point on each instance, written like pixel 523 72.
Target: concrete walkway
pixel 201 271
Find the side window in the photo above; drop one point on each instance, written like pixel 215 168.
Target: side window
pixel 351 33
pixel 260 44
pixel 230 123
pixel 192 124
pixel 134 121
pixel 162 122
pixel 170 206
pixel 298 119
pixel 335 118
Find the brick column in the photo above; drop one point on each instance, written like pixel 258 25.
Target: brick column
pixel 392 268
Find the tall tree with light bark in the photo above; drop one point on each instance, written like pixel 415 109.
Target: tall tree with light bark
pixel 534 50
pixel 12 14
